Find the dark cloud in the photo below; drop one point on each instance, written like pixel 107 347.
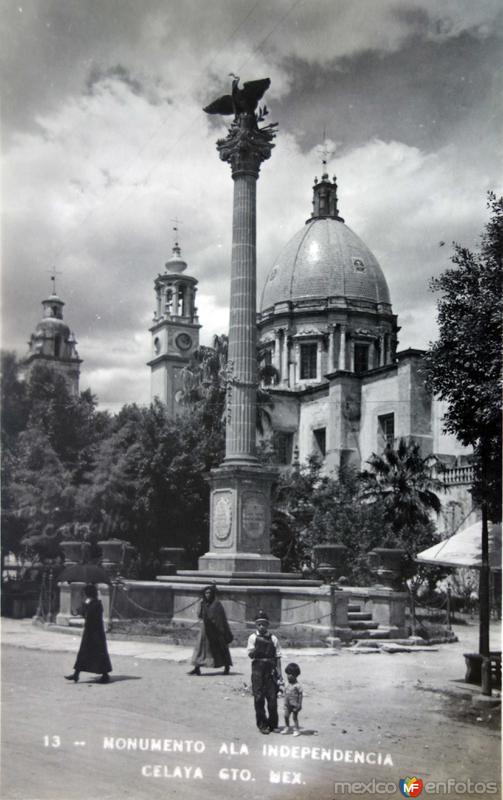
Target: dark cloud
pixel 424 95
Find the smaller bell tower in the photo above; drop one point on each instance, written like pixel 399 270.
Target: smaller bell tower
pixel 53 344
pixel 175 329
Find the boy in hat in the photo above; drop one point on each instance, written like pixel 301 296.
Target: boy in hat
pixel 265 652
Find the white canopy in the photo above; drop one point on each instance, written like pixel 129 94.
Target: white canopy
pixel 464 549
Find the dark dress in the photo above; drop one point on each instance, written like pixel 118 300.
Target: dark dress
pixel 212 649
pixel 93 654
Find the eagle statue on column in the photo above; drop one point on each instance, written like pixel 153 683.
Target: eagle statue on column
pixel 240 101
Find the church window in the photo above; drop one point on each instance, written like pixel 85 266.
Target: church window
pixel 361 358
pixel 320 441
pixel 308 361
pixel 157 345
pixel 57 346
pixel 283 447
pixel 386 430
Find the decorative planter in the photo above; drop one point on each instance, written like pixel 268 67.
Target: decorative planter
pixel 330 560
pixel 387 564
pixel 75 552
pixel 116 553
pixel 172 558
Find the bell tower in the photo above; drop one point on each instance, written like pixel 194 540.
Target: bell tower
pixel 53 344
pixel 175 329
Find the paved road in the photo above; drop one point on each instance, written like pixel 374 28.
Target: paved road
pixel 73 742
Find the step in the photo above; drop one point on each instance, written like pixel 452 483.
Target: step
pixel 353 608
pixel 359 615
pixel 385 633
pixel 362 625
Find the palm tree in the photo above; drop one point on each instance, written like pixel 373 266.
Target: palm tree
pixel 406 484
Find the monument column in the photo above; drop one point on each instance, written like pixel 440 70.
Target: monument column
pixel 240 512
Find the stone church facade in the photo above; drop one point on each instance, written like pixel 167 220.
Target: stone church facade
pixel 341 388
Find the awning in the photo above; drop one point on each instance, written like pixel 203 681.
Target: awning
pixel 464 549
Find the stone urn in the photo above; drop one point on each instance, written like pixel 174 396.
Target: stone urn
pixel 387 565
pixel 330 560
pixel 75 552
pixel 172 559
pixel 116 553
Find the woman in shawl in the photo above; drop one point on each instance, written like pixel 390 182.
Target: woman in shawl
pixel 93 654
pixel 212 648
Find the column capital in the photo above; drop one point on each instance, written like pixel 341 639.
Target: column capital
pixel 246 145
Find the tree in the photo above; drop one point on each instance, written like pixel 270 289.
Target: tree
pixel 463 367
pixel 311 508
pixel 404 483
pixel 148 485
pixel 49 440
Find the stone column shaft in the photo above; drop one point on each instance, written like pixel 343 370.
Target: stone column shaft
pixel 277 351
pixel 285 377
pixel 319 347
pixel 331 348
pixel 342 348
pixel 240 433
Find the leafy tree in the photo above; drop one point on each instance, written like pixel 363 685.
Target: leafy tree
pixel 14 400
pixel 41 494
pixel 463 366
pixel 313 508
pixel 148 485
pixel 49 441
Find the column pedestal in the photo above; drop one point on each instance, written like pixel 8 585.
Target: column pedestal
pixel 240 521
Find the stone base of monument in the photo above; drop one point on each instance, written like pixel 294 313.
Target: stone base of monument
pixel 239 562
pixel 238 575
pixel 300 614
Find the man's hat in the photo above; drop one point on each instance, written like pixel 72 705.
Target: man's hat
pixel 261 617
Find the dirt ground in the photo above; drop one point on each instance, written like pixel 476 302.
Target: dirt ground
pixel 410 712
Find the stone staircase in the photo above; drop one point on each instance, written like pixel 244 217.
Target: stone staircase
pixel 364 627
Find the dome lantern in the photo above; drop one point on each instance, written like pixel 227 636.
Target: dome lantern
pixel 325 199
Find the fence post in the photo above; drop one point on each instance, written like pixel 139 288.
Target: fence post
pixel 412 611
pixel 448 608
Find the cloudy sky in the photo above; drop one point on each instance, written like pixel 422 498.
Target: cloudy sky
pixel 105 144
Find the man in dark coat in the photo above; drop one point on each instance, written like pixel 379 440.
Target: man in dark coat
pixel 93 653
pixel 212 647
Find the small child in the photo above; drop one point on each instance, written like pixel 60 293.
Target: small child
pixel 293 698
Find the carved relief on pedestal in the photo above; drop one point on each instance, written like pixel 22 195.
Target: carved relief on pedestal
pixel 254 515
pixel 222 517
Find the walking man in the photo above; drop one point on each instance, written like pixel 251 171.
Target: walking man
pixel 265 652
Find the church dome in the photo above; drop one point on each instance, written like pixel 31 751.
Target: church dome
pixel 53 325
pixel 325 259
